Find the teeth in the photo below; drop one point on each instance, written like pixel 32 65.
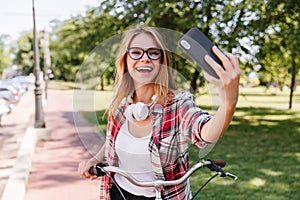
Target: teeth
pixel 148 69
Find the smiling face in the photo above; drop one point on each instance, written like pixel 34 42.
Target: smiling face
pixel 143 70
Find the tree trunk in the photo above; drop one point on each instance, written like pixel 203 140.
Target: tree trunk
pixel 293 83
pixel 101 83
pixel 194 84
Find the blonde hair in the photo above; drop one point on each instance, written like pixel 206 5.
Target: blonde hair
pixel 123 81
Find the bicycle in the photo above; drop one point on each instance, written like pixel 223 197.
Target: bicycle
pixel 102 168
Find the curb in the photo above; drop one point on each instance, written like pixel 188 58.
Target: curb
pixel 16 185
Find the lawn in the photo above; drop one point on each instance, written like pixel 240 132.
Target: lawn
pixel 262 146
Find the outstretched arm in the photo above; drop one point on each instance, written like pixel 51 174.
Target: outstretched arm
pixel 228 87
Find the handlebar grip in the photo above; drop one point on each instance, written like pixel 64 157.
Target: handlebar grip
pixel 220 163
pixel 216 165
pixel 93 171
pixel 97 169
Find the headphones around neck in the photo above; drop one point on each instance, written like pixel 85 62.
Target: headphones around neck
pixel 139 111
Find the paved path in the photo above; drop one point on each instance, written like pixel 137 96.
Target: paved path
pixel 54 171
pixel 11 132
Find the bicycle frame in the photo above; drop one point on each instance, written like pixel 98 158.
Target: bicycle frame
pixel 159 184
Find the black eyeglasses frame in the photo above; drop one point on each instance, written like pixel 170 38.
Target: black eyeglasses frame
pixel 144 51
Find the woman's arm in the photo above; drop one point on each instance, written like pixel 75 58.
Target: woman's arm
pixel 99 157
pixel 84 166
pixel 228 87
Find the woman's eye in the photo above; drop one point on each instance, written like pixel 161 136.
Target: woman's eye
pixel 136 52
pixel 154 53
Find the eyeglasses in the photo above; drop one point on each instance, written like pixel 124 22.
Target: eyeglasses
pixel 137 53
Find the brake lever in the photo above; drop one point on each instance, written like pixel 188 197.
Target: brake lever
pixel 231 176
pixel 215 167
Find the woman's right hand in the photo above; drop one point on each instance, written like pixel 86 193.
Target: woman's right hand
pixel 84 167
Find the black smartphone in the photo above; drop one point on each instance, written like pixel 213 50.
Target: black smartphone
pixel 197 45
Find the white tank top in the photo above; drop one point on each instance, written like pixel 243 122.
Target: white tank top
pixel 134 158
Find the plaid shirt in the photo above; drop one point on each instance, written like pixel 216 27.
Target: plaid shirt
pixel 174 124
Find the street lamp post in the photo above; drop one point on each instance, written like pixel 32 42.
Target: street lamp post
pixel 39 113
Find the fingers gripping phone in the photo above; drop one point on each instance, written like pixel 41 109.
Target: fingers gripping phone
pixel 197 45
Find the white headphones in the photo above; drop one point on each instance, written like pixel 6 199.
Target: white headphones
pixel 139 111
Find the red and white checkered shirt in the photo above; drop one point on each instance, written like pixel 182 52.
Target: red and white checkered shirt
pixel 175 123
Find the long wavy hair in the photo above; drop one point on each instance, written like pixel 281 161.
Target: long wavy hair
pixel 124 86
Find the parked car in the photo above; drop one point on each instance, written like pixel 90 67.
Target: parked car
pixel 20 83
pixel 5 108
pixel 21 89
pixel 9 93
pixel 24 79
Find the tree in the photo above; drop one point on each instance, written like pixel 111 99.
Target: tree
pixel 65 56
pixel 24 53
pixel 277 33
pixel 5 60
pixel 261 32
pixel 74 40
pixel 286 18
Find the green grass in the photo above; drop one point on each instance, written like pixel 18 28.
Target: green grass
pixel 61 85
pixel 262 146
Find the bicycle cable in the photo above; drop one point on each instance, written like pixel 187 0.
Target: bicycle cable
pixel 199 190
pixel 113 180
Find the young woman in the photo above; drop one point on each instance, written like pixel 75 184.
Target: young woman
pixel 155 145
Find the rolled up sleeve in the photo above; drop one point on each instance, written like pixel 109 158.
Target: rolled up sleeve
pixel 192 120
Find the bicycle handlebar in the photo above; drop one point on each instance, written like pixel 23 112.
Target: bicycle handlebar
pixel 101 169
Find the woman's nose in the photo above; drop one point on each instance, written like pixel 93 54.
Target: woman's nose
pixel 145 57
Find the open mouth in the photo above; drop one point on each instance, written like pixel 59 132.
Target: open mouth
pixel 144 69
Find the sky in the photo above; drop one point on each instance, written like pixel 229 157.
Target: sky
pixel 16 15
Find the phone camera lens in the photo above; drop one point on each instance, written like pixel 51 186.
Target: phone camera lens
pixel 185 44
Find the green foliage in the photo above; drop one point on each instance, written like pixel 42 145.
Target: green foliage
pixel 265 34
pixel 24 58
pixel 277 34
pixel 5 60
